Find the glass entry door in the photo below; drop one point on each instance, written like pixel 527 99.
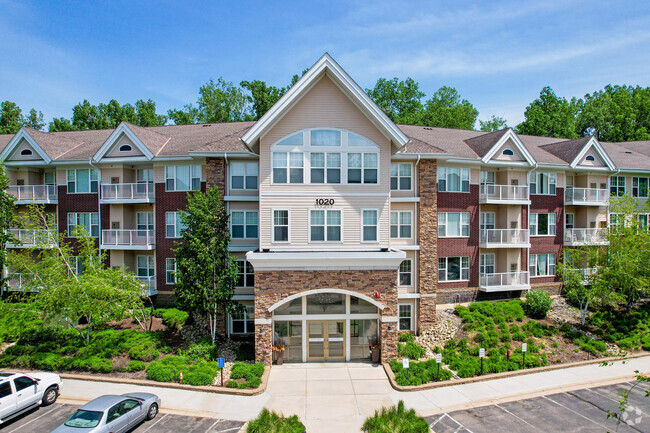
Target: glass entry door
pixel 326 340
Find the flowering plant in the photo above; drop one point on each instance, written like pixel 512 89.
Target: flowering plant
pixel 278 347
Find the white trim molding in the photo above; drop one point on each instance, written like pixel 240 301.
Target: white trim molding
pixel 510 135
pixel 326 260
pixel 11 146
pixel 315 291
pixel 110 141
pixel 262 321
pixel 601 152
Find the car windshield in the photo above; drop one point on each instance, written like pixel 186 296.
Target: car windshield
pixel 84 419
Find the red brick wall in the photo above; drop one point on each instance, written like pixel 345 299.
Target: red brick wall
pixel 75 203
pixel 548 244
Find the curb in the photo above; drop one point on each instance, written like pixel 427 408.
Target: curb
pixel 434 385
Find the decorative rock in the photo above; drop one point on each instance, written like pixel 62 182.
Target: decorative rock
pixel 444 328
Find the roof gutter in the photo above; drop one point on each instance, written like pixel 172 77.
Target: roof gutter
pixel 99 205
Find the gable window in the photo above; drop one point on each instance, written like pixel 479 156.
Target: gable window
pixel 26 152
pixel 400 224
pixel 542 265
pixel 243 321
pixel 183 177
pixel 590 158
pixel 125 148
pixel 244 224
pixel 542 183
pixel 244 175
pixel 542 224
pixel 325 167
pixel 362 168
pixel 82 180
pixel 87 220
pixel 245 274
pixel 325 137
pixel 640 186
pixel 173 224
pixel 453 224
pixel 453 268
pixel 280 226
pixel 405 317
pixel 369 222
pixel 170 270
pixel 325 225
pixel 405 276
pixel 453 179
pixel 400 176
pixel 617 185
pixel 287 167
pixel 508 152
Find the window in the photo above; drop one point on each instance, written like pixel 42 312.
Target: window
pixel 82 181
pixel 640 186
pixel 5 389
pixel 617 185
pixel 508 152
pixel 542 224
pixel 453 268
pixel 23 382
pixel 173 224
pixel 616 220
pixel 183 177
pixel 144 221
pixel 287 167
pixel 542 183
pixel 243 224
pixel 245 274
pixel 487 177
pixel 325 225
pixel 453 224
pixel 487 221
pixel 568 219
pixel 590 158
pixel 77 265
pixel 145 267
pixel 280 226
pixel 405 273
pixel 26 152
pixel 293 140
pixel 486 264
pixel 400 176
pixel 87 220
pixel 642 222
pixel 125 148
pixel 400 224
pixel 369 222
pixel 542 265
pixel 243 322
pixel 49 177
pixel 405 317
pixel 244 175
pixel 453 179
pixel 144 180
pixel 325 167
pixel 170 270
pixel 325 137
pixel 362 168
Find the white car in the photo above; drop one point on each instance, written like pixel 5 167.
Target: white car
pixel 22 392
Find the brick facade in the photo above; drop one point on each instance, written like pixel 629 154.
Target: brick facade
pixel 428 241
pixel 548 244
pixel 83 202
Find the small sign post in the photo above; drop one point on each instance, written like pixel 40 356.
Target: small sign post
pixel 438 361
pixel 524 346
pixel 405 364
pixel 222 364
pixel 481 353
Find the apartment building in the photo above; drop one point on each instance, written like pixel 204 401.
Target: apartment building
pixel 347 228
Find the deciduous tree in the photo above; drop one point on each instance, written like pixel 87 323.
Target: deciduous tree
pixel 261 98
pixel 7 221
pixel 495 123
pixel 400 100
pixel 11 118
pixel 446 109
pixel 550 116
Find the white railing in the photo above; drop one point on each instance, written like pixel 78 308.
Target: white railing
pixel 125 192
pixel 149 285
pixel 15 281
pixel 503 281
pixel 586 196
pixel 504 193
pixel 504 237
pixel 30 238
pixel 585 273
pixel 128 238
pixel 584 236
pixel 35 193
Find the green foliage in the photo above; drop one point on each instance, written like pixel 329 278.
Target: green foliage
pixel 15 318
pixel 271 422
pixel 538 304
pixel 395 420
pixel 136 366
pixel 410 350
pixel 7 221
pixel 495 123
pixel 232 384
pixel 172 318
pixel 406 337
pixel 419 372
pixel 203 350
pixel 167 369
pixel 550 116
pixel 250 372
pixel 539 330
pixel 630 331
pixel 262 97
pixel 445 109
pixel 400 100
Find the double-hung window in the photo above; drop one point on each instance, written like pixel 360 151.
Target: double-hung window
pixel 542 265
pixel 87 220
pixel 486 264
pixel 542 183
pixel 144 180
pixel 369 223
pixel 453 268
pixel 362 168
pixel 243 321
pixel 453 179
pixel 325 167
pixel 400 176
pixel 640 186
pixel 617 185
pixel 280 226
pixel 243 175
pixel 145 266
pixel 173 225
pixel 170 270
pixel 542 224
pixel 183 177
pixel 400 224
pixel 405 317
pixel 82 180
pixel 405 273
pixel 453 224
pixel 325 225
pixel 288 167
pixel 244 224
pixel 77 265
pixel 245 274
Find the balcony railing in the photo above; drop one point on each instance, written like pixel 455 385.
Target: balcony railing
pixel 504 238
pixel 575 237
pixel 504 281
pixel 149 285
pixel 128 239
pixel 586 196
pixel 508 194
pixel 33 238
pixel 585 273
pixel 40 194
pixel 128 193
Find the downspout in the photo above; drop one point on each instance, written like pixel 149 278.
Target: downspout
pixel 99 205
pixel 225 174
pixel 417 262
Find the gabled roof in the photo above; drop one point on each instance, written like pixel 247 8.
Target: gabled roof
pixel 129 130
pixel 573 151
pixel 24 134
pixel 486 145
pixel 326 65
pixel 482 144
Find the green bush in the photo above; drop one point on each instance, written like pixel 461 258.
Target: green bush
pixel 395 420
pixel 232 384
pixel 251 372
pixel 15 318
pixel 144 353
pixel 538 304
pixel 200 374
pixel 410 350
pixel 406 336
pixel 203 350
pixel 271 422
pixel 46 361
pixel 167 369
pixel 136 366
pixel 174 318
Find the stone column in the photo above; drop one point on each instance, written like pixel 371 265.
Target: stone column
pixel 428 241
pixel 215 173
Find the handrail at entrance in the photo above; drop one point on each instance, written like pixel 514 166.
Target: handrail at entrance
pixel 313 291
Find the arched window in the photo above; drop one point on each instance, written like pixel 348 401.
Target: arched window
pixel 125 148
pixel 26 152
pixel 508 152
pixel 590 158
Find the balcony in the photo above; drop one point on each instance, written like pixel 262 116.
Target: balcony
pixel 586 197
pixel 15 282
pixel 33 238
pixel 585 273
pixel 149 285
pixel 503 282
pixel 128 239
pixel 38 194
pixel 504 194
pixel 504 238
pixel 128 193
pixel 579 237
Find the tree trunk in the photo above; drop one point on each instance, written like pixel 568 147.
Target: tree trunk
pixel 583 311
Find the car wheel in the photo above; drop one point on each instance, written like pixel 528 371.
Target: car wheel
pixel 152 412
pixel 50 396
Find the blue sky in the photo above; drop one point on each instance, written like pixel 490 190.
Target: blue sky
pixel 499 55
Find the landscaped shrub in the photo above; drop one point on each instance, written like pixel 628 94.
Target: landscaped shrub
pixel 410 350
pixel 144 352
pixel 172 317
pixel 15 318
pixel 538 304
pixel 232 384
pixel 252 373
pixel 200 374
pixel 406 336
pixel 167 369
pixel 46 361
pixel 203 350
pixel 419 372
pixel 136 366
pixel 271 422
pixel 395 420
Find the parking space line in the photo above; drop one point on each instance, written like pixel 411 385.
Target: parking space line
pixel 159 419
pixel 40 416
pixel 436 421
pixel 213 424
pixel 230 429
pixel 577 413
pixel 519 418
pixel 460 426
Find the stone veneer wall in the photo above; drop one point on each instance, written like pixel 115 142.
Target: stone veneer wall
pixel 215 173
pixel 274 286
pixel 428 241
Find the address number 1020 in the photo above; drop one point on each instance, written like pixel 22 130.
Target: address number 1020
pixel 324 202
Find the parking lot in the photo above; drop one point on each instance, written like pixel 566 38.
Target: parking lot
pixel 584 410
pixel 46 419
